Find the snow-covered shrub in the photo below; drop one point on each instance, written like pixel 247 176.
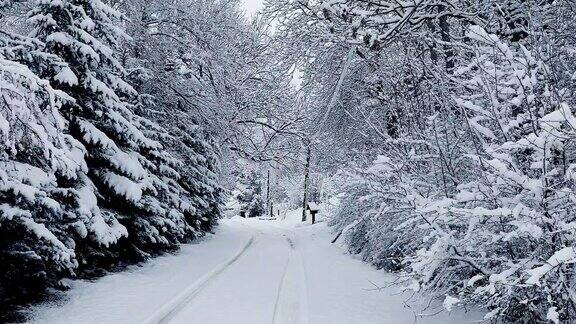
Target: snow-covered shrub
pixel 377 214
pixel 481 207
pixel 505 239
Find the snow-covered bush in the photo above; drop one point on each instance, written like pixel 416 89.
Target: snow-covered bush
pixel 378 215
pixel 505 238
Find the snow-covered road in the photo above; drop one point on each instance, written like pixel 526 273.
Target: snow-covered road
pixel 250 272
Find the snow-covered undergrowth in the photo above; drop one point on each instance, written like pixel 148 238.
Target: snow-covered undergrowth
pixel 490 224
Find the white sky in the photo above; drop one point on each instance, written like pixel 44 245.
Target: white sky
pixel 251 6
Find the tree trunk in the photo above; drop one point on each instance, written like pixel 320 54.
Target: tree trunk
pixel 446 39
pixel 268 204
pixel 306 177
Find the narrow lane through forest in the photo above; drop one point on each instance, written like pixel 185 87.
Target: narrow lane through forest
pixel 273 272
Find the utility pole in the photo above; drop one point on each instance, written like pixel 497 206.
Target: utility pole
pixel 271 209
pixel 306 177
pixel 268 204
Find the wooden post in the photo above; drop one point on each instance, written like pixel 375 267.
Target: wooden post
pixel 306 177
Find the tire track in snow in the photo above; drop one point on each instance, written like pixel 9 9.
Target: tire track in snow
pixel 282 282
pixel 170 309
pixel 291 305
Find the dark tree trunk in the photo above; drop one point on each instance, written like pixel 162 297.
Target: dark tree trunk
pixel 306 178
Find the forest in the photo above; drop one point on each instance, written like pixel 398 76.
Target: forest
pixel 440 133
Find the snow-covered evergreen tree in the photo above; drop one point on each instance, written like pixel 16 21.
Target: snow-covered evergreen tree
pixel 250 196
pixel 36 217
pixel 170 93
pixel 134 176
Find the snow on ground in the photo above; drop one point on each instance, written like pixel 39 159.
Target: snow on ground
pixel 345 290
pixel 135 295
pixel 250 272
